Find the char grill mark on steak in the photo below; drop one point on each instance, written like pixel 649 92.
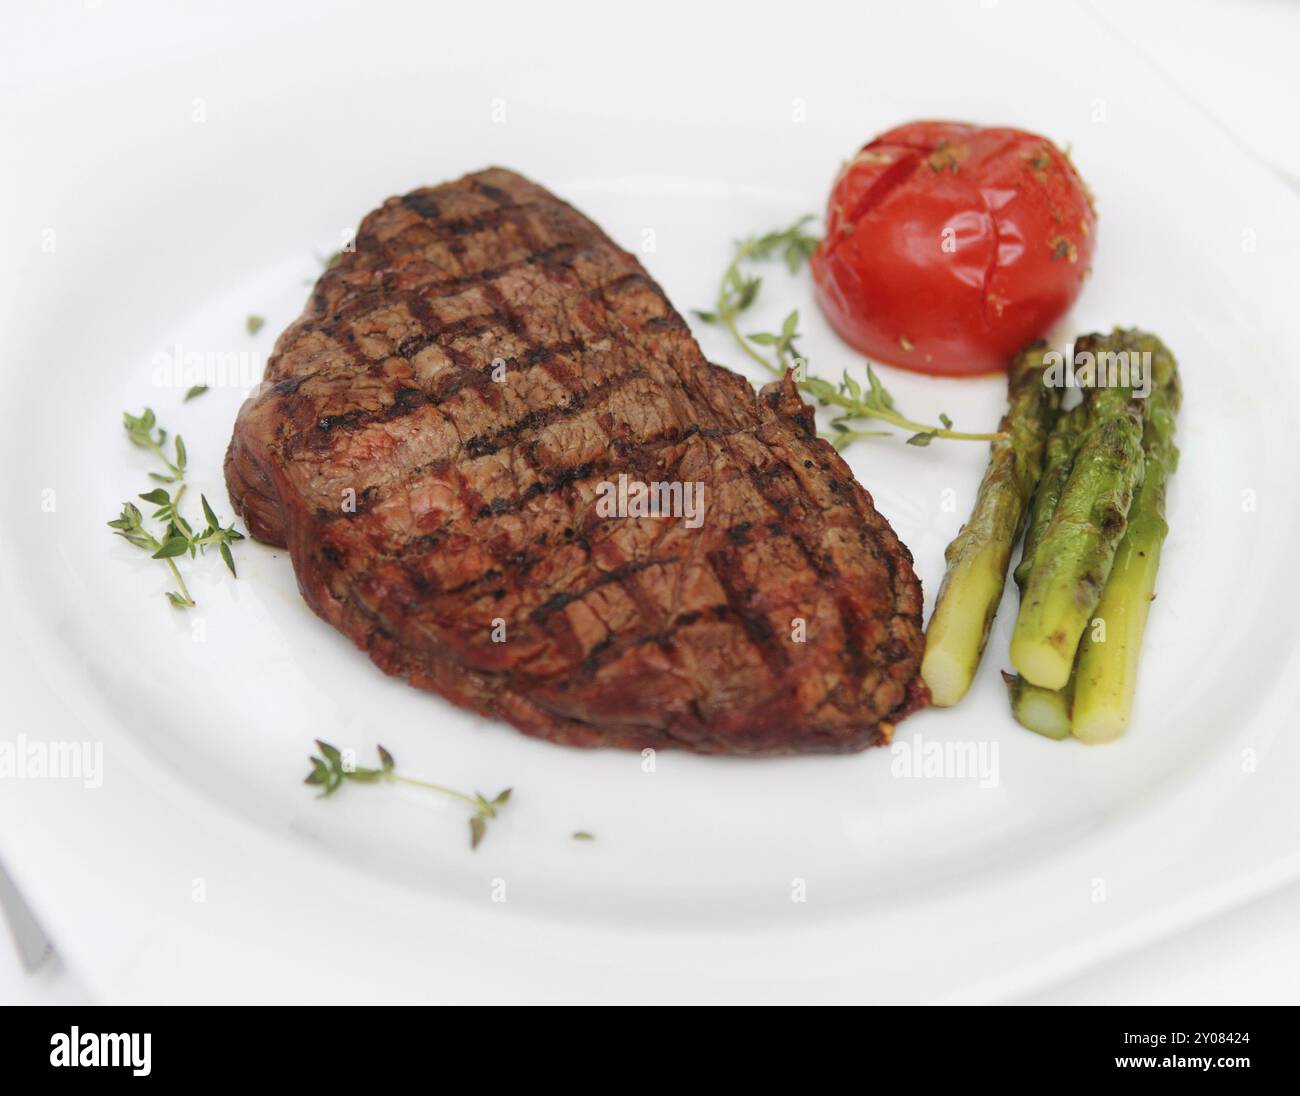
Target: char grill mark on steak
pixel 475 499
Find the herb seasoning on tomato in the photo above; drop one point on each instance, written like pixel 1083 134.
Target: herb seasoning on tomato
pixel 949 247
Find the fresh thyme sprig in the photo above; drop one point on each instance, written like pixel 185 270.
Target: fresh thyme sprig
pixel 169 511
pixel 737 292
pixel 130 526
pixel 328 773
pixel 177 537
pixel 222 536
pixel 140 429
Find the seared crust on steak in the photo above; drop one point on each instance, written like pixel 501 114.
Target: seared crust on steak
pixel 475 518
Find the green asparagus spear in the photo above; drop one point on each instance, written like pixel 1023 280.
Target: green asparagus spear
pixel 1106 676
pixel 1074 557
pixel 1044 711
pixel 1057 462
pixel 977 559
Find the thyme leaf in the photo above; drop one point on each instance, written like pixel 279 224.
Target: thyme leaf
pixel 329 773
pixel 144 432
pixel 129 525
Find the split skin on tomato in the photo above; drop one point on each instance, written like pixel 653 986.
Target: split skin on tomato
pixel 949 247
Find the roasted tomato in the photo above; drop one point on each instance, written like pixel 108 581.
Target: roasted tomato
pixel 949 247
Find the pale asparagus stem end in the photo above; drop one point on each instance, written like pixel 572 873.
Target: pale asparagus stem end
pixel 1043 661
pixel 1043 711
pixel 960 624
pixel 1096 727
pixel 1107 671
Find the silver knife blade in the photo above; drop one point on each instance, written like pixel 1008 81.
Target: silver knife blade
pixel 29 938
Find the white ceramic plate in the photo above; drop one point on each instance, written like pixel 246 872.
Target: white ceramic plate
pixel 178 173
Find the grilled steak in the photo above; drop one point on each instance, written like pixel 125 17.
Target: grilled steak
pixel 431 442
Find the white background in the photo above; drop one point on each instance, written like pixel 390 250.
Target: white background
pixel 1235 63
